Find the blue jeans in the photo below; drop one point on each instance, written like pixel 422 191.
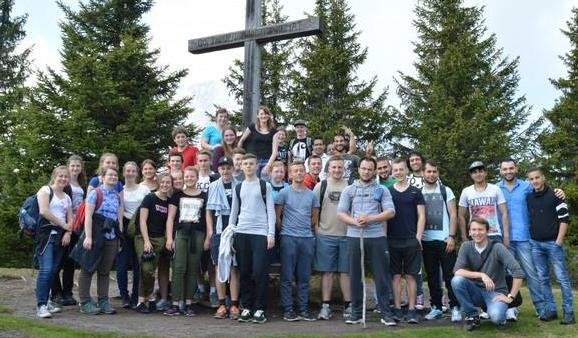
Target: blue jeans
pixel 296 259
pixel 48 261
pixel 471 295
pixel 545 252
pixel 125 258
pixel 522 251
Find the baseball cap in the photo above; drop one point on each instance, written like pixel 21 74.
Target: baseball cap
pixel 477 165
pixel 225 160
pixel 300 123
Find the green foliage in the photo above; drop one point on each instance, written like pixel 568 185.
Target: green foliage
pixel 462 104
pixel 325 88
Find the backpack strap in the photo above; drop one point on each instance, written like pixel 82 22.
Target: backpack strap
pixel 322 191
pixel 444 193
pixel 98 198
pixel 263 185
pixel 490 247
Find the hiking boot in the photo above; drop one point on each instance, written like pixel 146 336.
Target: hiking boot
pixel 354 320
pixel 419 302
pixel 347 311
pixel 214 300
pixel 396 315
pixel 434 313
pixel 42 312
pixel 162 305
pixel 290 316
pixel 512 314
pixel 246 316
pixel 53 307
pixel 221 312
pixel 412 317
pixel 142 308
pixel 189 312
pixel 568 318
pixel 173 310
pixel 106 307
pixel 456 314
pixel 234 312
pixel 89 308
pixel 548 316
pixel 472 322
pixel 259 317
pixel 307 316
pixel 69 301
pixel 325 312
pixel 388 321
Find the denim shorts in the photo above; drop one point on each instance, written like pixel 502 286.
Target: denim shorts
pixel 331 254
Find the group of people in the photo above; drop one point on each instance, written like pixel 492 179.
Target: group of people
pixel 226 211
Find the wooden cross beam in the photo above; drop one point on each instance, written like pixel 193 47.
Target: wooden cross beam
pixel 254 35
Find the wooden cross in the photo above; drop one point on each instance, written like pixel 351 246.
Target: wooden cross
pixel 254 35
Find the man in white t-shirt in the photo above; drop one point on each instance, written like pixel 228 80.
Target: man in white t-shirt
pixel 319 150
pixel 484 200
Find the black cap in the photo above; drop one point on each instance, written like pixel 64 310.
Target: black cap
pixel 225 160
pixel 477 165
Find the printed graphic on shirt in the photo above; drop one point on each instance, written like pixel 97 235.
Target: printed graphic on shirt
pixel 203 183
pixel 434 211
pixel 190 209
pixel 299 150
pixel 334 196
pixel 485 207
pixel 416 181
pixel 347 168
pixel 161 208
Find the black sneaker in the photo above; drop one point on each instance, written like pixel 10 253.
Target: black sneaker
pixel 246 316
pixel 189 312
pixel 290 316
pixel 472 322
pixel 388 321
pixel 172 311
pixel 152 306
pixel 396 315
pixel 568 319
pixel 69 301
pixel 307 316
pixel 412 317
pixel 142 308
pixel 354 320
pixel 548 316
pixel 259 317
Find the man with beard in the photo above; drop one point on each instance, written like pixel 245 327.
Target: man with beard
pixel 350 161
pixel 415 163
pixel 384 172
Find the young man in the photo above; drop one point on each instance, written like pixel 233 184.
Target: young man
pixel 175 161
pixel 254 219
pixel 319 150
pixel 219 204
pixel 415 162
pixel 484 200
pixel 350 161
pixel 515 192
pixel 404 233
pixel 206 176
pixel 548 225
pixel 384 172
pixel 188 151
pixel 439 240
pixel 331 254
pixel 301 146
pixel 365 206
pixel 480 276
pixel 312 177
pixel 238 154
pixel 300 210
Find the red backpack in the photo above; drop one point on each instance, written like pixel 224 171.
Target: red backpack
pixel 78 223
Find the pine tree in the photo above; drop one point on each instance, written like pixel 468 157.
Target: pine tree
pixel 276 63
pixel 326 90
pixel 462 104
pixel 560 140
pixel 111 95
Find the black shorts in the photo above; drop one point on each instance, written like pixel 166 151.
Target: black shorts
pixel 405 256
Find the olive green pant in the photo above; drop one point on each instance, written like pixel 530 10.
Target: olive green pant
pixel 186 264
pixel 147 269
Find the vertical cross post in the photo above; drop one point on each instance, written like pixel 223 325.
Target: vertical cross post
pixel 252 69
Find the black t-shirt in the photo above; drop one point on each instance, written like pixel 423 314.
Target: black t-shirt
pixel 157 218
pixel 404 224
pixel 190 211
pixel 261 145
pixel 300 149
pixel 283 154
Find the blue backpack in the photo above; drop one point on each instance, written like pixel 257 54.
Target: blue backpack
pixel 29 215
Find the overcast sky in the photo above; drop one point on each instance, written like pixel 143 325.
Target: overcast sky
pixel 529 29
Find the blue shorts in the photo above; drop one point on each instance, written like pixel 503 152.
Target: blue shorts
pixel 331 254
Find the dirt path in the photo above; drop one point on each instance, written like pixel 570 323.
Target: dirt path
pixel 18 294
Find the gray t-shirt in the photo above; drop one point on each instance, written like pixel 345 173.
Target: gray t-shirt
pixel 256 217
pixel 297 207
pixel 329 223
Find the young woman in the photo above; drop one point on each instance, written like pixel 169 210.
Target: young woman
pixel 61 292
pixel 194 228
pixel 100 243
pixel 150 238
pixel 225 148
pixel 55 208
pixel 133 195
pixel 149 175
pixel 212 135
pixel 257 139
pixel 107 160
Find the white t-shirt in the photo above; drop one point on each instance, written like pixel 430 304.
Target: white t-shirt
pixel 437 225
pixel 484 204
pixel 58 206
pixel 133 198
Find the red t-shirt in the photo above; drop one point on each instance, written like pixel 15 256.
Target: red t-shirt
pixel 189 155
pixel 310 181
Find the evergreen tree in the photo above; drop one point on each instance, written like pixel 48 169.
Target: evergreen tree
pixel 111 95
pixel 275 67
pixel 462 104
pixel 326 90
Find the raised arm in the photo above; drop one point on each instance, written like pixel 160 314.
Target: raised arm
pixel 243 138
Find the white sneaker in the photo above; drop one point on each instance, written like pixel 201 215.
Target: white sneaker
pixel 419 302
pixel 512 314
pixel 53 307
pixel 484 315
pixel 456 314
pixel 325 312
pixel 42 312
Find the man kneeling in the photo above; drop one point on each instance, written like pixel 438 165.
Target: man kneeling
pixel 480 276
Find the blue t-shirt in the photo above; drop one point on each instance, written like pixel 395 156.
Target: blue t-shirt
pixel 108 208
pixel 404 224
pixel 212 135
pixel 297 206
pixel 518 213
pixel 95 183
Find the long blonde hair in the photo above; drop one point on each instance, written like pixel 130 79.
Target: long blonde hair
pixel 56 171
pixel 270 122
